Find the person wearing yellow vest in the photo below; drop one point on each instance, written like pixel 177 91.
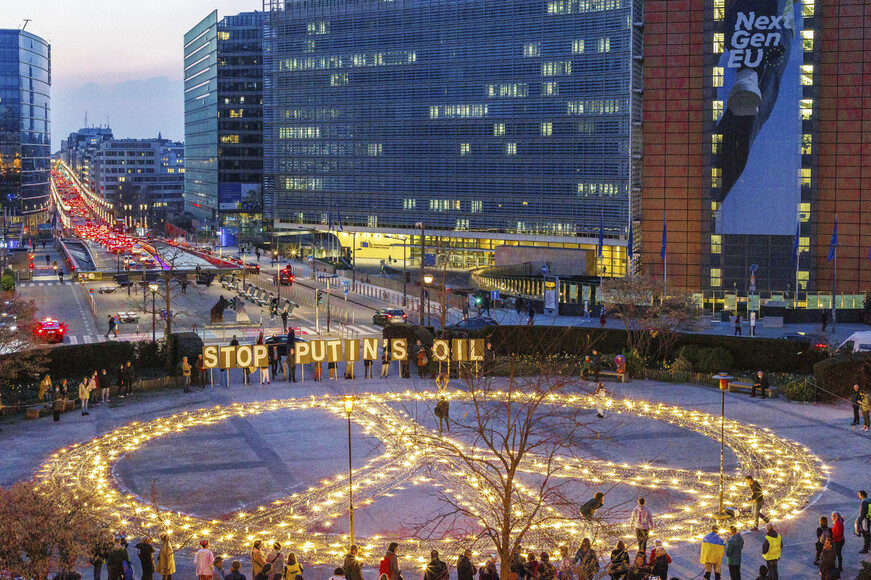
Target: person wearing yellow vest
pixel 771 549
pixel 713 548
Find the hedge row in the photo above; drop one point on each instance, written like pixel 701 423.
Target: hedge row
pixel 837 375
pixel 747 353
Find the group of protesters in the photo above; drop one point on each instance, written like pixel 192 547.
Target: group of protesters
pixel 94 389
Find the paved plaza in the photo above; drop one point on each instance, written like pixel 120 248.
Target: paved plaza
pixel 247 461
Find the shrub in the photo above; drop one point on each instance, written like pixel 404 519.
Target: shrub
pixel 837 375
pixel 714 360
pixel 801 389
pixel 634 364
pixel 7 282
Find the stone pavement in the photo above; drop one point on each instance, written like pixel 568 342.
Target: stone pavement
pixel 251 460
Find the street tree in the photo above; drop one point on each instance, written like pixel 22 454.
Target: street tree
pixel 21 358
pixel 653 321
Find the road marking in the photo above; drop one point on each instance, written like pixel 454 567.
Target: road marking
pixel 74 340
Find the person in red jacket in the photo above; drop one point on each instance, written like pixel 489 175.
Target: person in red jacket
pixel 652 559
pixel 838 538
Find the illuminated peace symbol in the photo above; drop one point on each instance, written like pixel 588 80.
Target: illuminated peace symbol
pixel 790 472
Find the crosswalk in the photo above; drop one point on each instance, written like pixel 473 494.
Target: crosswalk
pixel 245 335
pixel 35 284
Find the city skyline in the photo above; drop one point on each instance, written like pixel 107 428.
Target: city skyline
pixel 109 77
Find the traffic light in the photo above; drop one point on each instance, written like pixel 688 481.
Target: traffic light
pixel 478 299
pixel 320 297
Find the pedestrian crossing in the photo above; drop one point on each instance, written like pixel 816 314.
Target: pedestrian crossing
pixel 34 284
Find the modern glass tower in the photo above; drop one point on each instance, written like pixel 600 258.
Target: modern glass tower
pixel 224 121
pixel 491 121
pixel 25 130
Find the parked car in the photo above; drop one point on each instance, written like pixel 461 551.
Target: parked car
pixel 472 324
pixel 387 316
pixel 817 341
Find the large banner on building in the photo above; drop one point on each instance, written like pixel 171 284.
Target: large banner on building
pixel 244 197
pixel 759 128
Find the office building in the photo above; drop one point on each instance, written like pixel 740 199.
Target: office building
pixel 143 179
pixel 78 148
pixel 25 130
pixel 756 128
pixel 497 124
pixel 224 123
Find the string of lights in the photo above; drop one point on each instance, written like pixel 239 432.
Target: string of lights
pixel 791 474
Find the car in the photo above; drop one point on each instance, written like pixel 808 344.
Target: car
pixel 472 324
pixel 281 341
pixel 252 267
pixel 50 330
pixel 8 322
pixel 386 316
pixel 817 341
pixel 284 278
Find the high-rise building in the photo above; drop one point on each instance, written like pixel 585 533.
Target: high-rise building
pixel 78 148
pixel 756 125
pixel 494 123
pixel 143 179
pixel 224 122
pixel 25 129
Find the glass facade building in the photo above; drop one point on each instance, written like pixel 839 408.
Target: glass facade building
pixel 25 128
pixel 499 119
pixel 224 121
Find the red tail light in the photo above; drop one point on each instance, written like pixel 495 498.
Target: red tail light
pixel 388 316
pixel 821 345
pixel 405 315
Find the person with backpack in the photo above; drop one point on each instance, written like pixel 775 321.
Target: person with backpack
pixel 146 558
pixel 863 522
pixel 422 359
pixel 292 568
pixel 115 562
pixel 823 532
pixel 389 565
pixel 436 569
pixel 276 558
pixel 838 538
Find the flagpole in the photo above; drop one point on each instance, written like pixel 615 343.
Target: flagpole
pixel 795 296
pixel 835 277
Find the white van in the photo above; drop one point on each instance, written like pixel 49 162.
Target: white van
pixel 856 342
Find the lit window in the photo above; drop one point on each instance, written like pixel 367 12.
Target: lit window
pixel 462 224
pixel 532 49
pixel 338 79
pixel 719 43
pixel 229 139
pixel 498 129
pixel 804 212
pixel 372 221
pixel 716 177
pixel 806 144
pixel 547 129
pixel 465 148
pixel 507 90
pixel 578 46
pixel 409 203
pixel 807 74
pixel 719 9
pixel 718 76
pixel 808 8
pixel 308 46
pixel 718 109
pixel 477 206
pixel 549 89
pixel 374 149
pixel 716 277
pixel 223 36
pixel 604 44
pixel 555 69
pixel 322 27
pixel 806 108
pixel 716 143
pixel 716 244
pixel 807 40
pixel 805 177
pixel 511 148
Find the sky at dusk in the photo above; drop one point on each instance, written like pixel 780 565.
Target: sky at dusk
pixel 116 59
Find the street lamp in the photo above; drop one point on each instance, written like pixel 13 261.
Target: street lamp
pixel 427 279
pixel 422 228
pixel 724 385
pixel 349 408
pixel 153 288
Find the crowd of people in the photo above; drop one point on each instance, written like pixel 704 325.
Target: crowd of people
pixel 91 390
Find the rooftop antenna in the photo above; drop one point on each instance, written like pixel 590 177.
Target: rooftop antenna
pixel 26 20
pixel 86 119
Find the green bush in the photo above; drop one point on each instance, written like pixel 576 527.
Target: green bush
pixel 714 360
pixel 634 364
pixel 837 375
pixel 7 282
pixel 800 389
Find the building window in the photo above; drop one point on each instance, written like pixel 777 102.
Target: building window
pixel 498 129
pixel 229 139
pixel 717 109
pixel 806 107
pixel 805 177
pixel 604 45
pixel 547 129
pixel 719 43
pixel 556 69
pixel 322 27
pixel 465 148
pixel 719 9
pixel 308 46
pixel 507 90
pixel 462 224
pixel 549 89
pixel 511 148
pixel 477 206
pixel 718 76
pixel 808 8
pixel 807 74
pixel 374 149
pixel 716 143
pixel 807 40
pixel 806 144
pixel 338 79
pixel 372 221
pixel 716 244
pixel 716 277
pixel 716 177
pixel 409 203
pixel 532 49
pixel 804 212
pixel 578 46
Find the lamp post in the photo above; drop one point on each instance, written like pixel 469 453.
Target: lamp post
pixel 422 261
pixel 724 385
pixel 427 279
pixel 153 288
pixel 349 408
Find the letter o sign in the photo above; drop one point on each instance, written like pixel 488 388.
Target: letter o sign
pixel 244 356
pixel 441 351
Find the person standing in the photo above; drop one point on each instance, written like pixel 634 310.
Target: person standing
pixel 863 522
pixel 771 548
pixel 734 547
pixel 711 556
pixel 204 561
pixel 586 561
pixel 596 359
pixel 284 321
pixel 120 380
pixel 236 571
pixel 865 405
pixel 838 538
pixel 422 360
pixel 186 374
pixel 855 399
pixel 103 379
pixel 146 558
pixel 758 499
pixel 57 403
pixel 436 569
pixel 602 317
pixel 760 383
pixel 586 366
pixel 84 395
pixel 257 558
pixel 659 561
pixel 129 377
pixel 390 563
pixel 738 325
pixel 619 565
pixel 116 559
pixel 274 358
pixel 753 323
pixel 601 398
pixel 518 305
pixel 823 532
pixel 489 571
pixel 642 522
pixel 218 569
pixel 276 558
pixel 546 570
pixel 530 314
pixel 825 319
pixel 826 565
pixel 290 361
pixel 352 566
pixel 385 363
pixel 367 369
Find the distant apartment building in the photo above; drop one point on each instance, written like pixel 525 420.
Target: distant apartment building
pixel 78 148
pixel 142 178
pixel 25 130
pixel 223 80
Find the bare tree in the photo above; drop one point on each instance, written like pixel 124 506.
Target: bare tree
pixel 20 355
pixel 509 450
pixel 653 322
pixel 45 527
